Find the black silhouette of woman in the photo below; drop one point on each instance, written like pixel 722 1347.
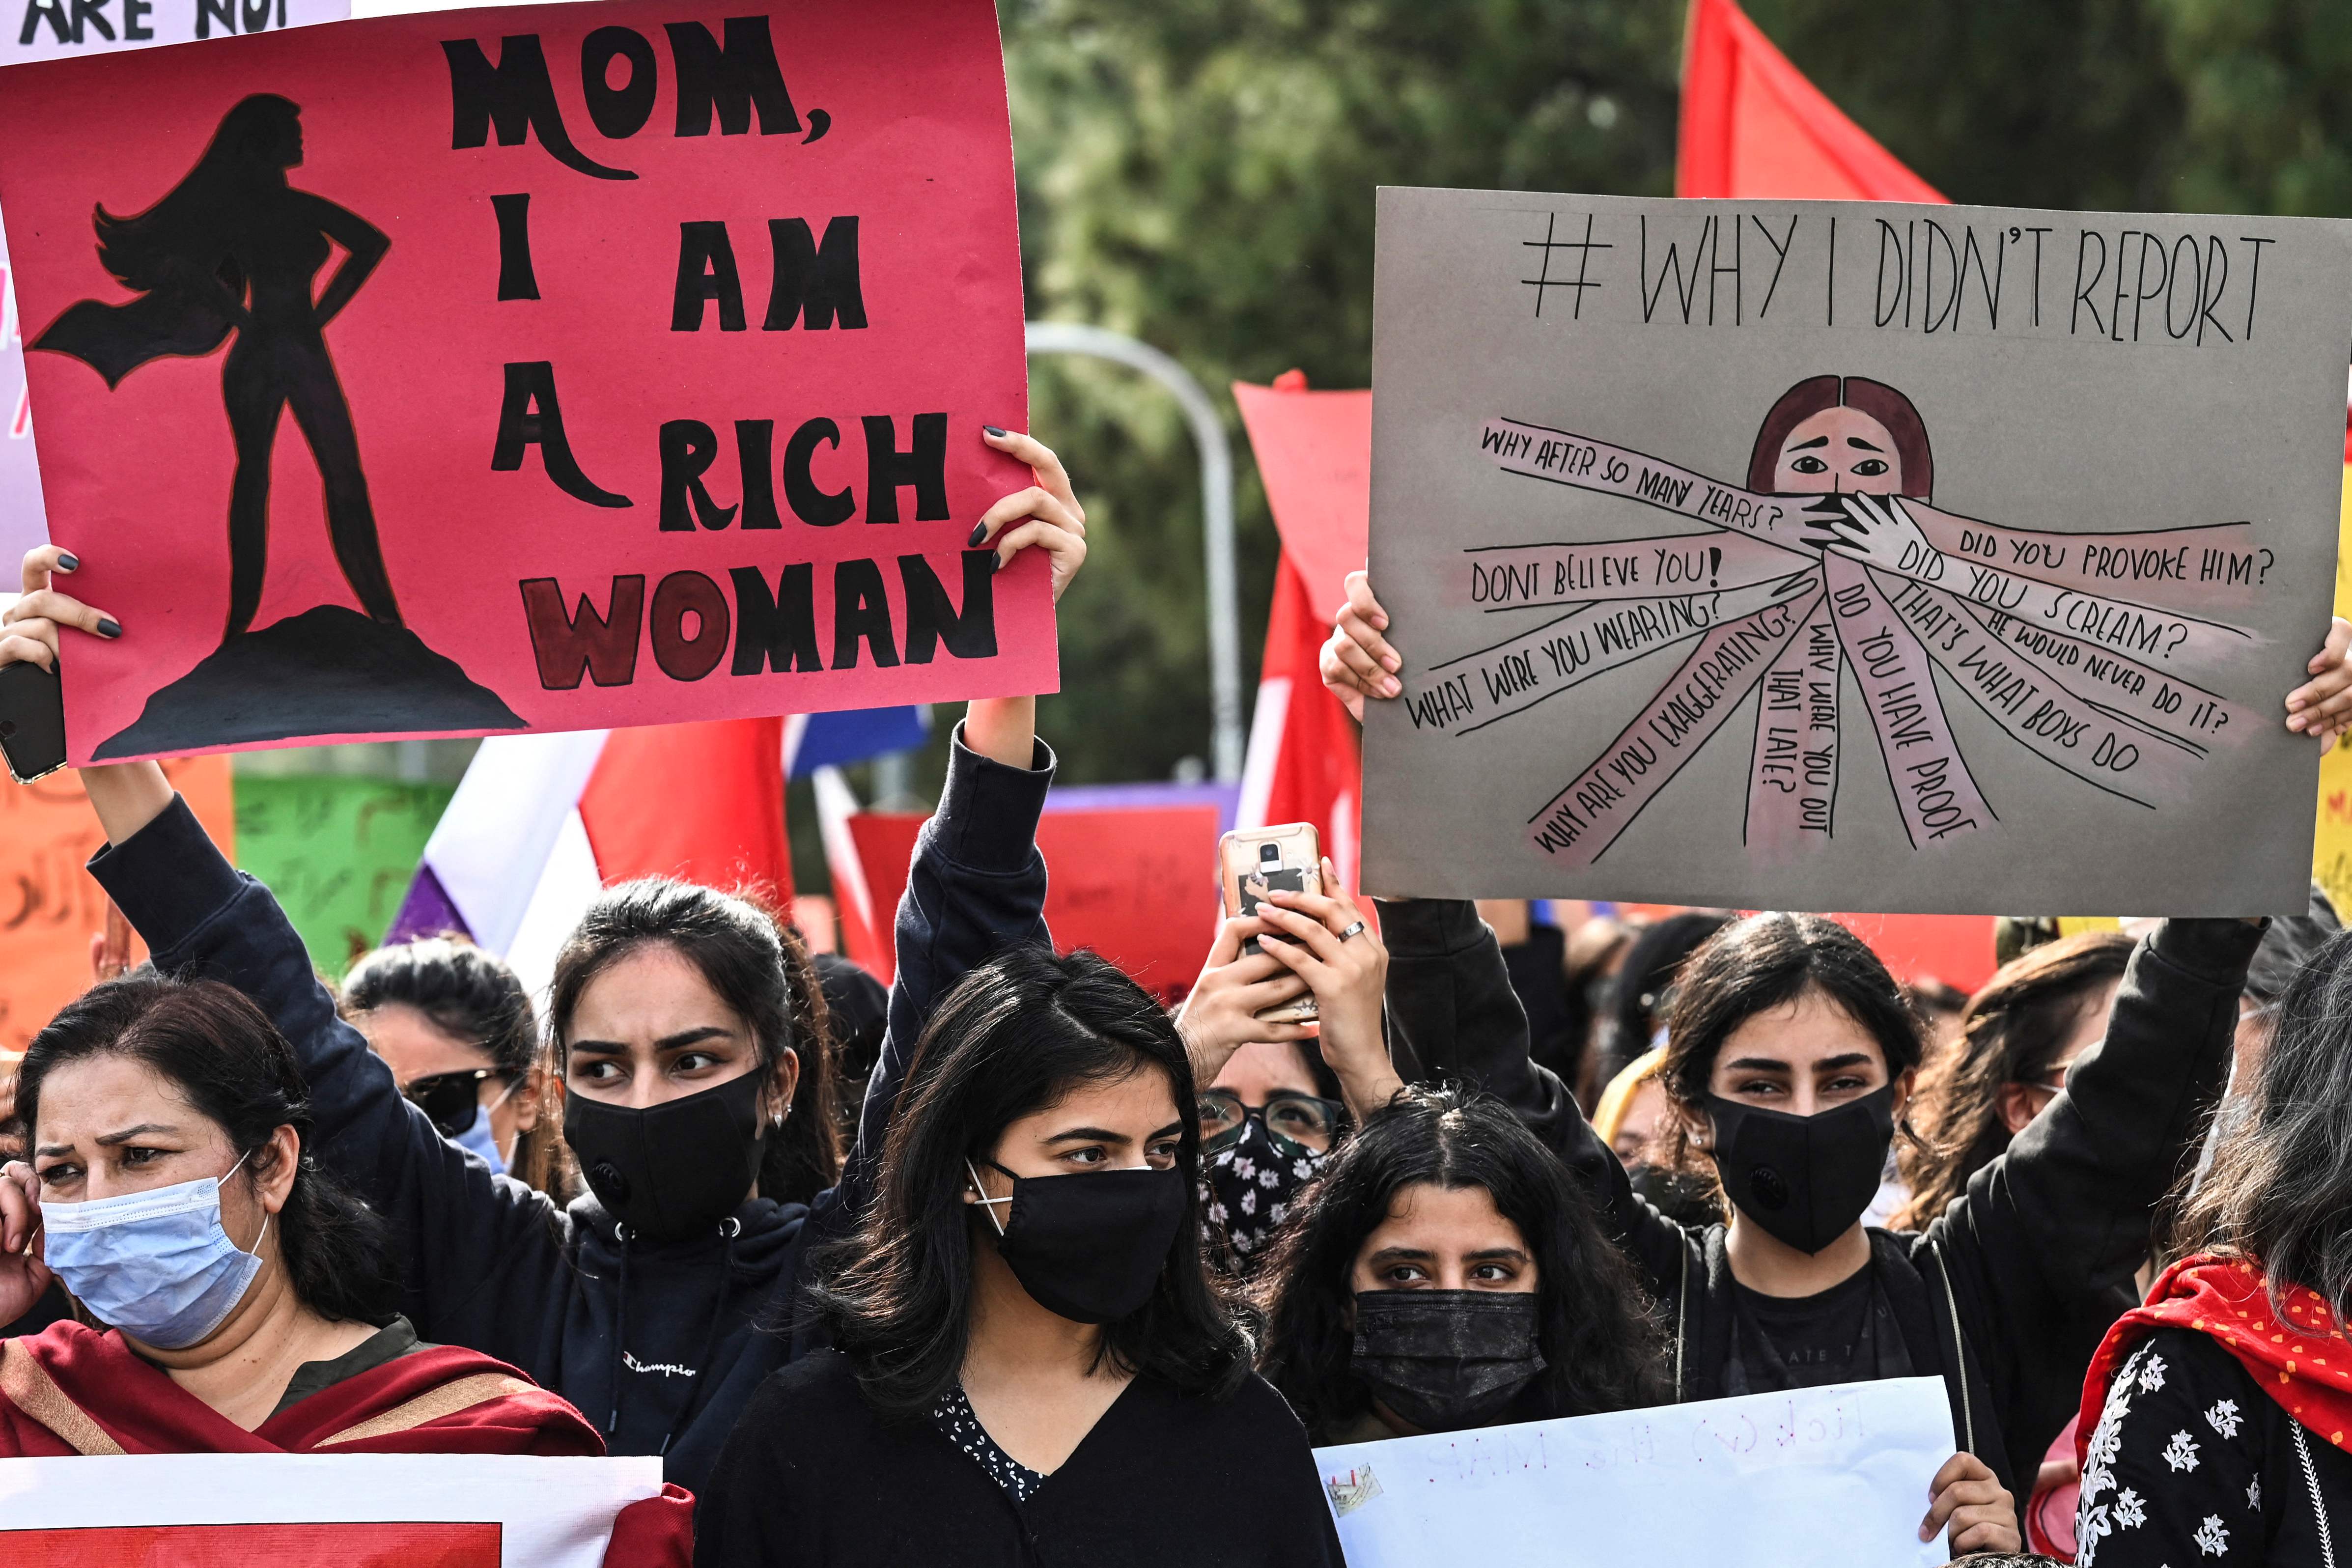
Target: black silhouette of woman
pixel 235 249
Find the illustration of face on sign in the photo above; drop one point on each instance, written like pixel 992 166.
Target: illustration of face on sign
pixel 299 393
pixel 2060 697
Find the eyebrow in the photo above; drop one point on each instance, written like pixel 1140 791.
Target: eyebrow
pixel 678 1041
pixel 1851 1059
pixel 110 1140
pixel 1858 441
pixel 1756 1064
pixel 1816 441
pixel 1089 1135
pixel 1400 1254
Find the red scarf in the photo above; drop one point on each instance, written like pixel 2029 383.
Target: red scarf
pixel 2303 1364
pixel 142 1411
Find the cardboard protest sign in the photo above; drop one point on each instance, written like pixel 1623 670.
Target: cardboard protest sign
pixel 551 368
pixel 1732 1483
pixel 1981 545
pixel 228 1510
pixel 50 907
pixel 46 29
pixel 339 854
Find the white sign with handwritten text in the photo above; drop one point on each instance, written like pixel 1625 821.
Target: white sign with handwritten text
pixel 1821 1476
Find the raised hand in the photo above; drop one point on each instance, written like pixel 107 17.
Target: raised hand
pixel 1358 662
pixel 1046 514
pixel 1343 962
pixel 2322 706
pixel 1221 1016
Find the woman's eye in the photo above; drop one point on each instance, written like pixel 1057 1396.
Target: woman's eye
pixel 1491 1273
pixel 58 1174
pixel 136 1155
pixel 1870 468
pixel 1408 1273
pixel 596 1071
pixel 1163 1155
pixel 1758 1086
pixel 695 1061
pixel 1809 465
pixel 1084 1156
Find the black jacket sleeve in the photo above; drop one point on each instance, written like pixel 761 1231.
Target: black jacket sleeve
pixel 479 1255
pixel 2039 1242
pixel 977 885
pixel 1450 1000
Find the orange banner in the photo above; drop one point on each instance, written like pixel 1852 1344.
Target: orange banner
pixel 49 907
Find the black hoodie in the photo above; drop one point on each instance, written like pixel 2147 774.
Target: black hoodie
pixel 658 1346
pixel 2009 1292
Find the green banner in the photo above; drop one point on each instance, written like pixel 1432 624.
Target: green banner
pixel 338 852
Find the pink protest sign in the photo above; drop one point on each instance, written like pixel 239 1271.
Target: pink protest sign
pixel 551 368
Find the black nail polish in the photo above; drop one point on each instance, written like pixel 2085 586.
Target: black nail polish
pixel 71 562
pixel 979 533
pixel 107 627
pixel 993 430
pixel 997 565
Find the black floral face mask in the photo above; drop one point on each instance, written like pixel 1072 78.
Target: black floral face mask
pixel 1248 1185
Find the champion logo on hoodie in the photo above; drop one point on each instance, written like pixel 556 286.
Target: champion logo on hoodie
pixel 666 1369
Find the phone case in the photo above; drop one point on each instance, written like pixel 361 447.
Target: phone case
pixel 32 721
pixel 1296 865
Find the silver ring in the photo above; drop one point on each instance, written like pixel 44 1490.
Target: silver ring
pixel 1352 931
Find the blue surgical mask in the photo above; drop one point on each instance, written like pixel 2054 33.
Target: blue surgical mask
pixel 156 1265
pixel 478 1138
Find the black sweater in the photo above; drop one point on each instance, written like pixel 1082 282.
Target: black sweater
pixel 814 1479
pixel 2192 1463
pixel 2008 1294
pixel 488 1263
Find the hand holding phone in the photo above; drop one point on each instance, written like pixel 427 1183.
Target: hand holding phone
pixel 1254 861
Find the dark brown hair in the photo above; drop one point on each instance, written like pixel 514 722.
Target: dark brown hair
pixel 1763 962
pixel 1014 1036
pixel 2279 1192
pixel 210 1042
pixel 1600 1344
pixel 472 996
pixel 2010 1032
pixel 1876 398
pixel 761 968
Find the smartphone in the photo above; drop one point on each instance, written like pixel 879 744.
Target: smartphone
pixel 1255 860
pixel 32 721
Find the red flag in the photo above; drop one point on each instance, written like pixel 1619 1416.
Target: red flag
pixel 1753 126
pixel 1315 452
pixel 704 801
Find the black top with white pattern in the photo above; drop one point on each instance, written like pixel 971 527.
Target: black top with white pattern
pixel 954 1418
pixel 2191 1463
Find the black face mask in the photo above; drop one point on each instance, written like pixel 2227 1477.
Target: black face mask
pixel 670 1169
pixel 1805 1179
pixel 1089 1246
pixel 1444 1360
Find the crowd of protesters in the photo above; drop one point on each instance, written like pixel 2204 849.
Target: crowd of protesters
pixel 1011 1266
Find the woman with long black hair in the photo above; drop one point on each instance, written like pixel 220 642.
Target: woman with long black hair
pixel 1031 1362
pixel 680 1040
pixel 234 247
pixel 1445 1272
